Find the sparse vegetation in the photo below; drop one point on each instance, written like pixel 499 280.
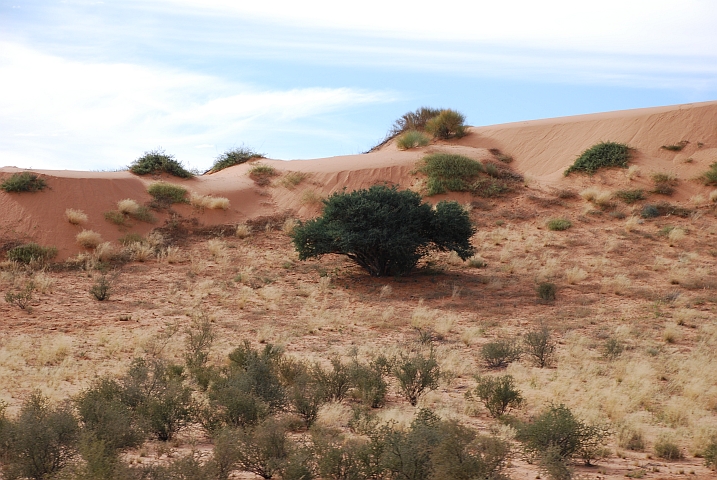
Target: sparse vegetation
pixel 710 176
pixel 500 353
pixel 168 193
pixel 602 155
pixel 31 252
pixel 262 174
pixel 384 230
pixel 450 172
pixel 416 373
pixel 23 182
pixel 291 179
pixel 500 156
pixel 546 291
pixel 411 139
pixel 208 201
pixel 157 161
pixel 21 298
pixel 676 147
pixel 667 449
pixel 75 217
pixel 540 347
pixel 559 224
pixel 235 156
pixel 664 183
pixel 630 196
pixel 101 288
pixel 498 394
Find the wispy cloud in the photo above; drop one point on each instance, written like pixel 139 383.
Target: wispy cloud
pixel 59 113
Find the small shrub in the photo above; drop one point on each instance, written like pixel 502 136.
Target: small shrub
pixel 235 156
pixel 128 206
pixel 559 224
pixel 116 217
pixel 411 139
pixel 630 196
pixel 602 155
pixel 546 291
pixel 130 238
pixel 649 211
pixel 710 454
pixel 450 172
pixel 677 147
pixel 413 120
pixel 612 348
pixel 243 230
pixel 156 161
pixel 664 183
pixel 500 354
pixel 88 239
pixel 631 439
pixel 371 386
pixel 22 298
pixel 168 192
pixel 668 450
pixel 447 124
pixel 291 179
pixel 416 374
pixel 101 288
pixel 263 449
pixel 31 252
pixel 498 394
pixel 75 217
pixel 310 197
pixel 540 346
pixel 262 174
pixel 710 176
pixel 23 182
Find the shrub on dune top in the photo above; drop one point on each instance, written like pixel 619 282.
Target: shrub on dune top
pixel 23 182
pixel 235 156
pixel 447 124
pixel 411 139
pixel 156 161
pixel 601 155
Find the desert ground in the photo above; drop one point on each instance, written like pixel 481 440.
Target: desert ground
pixel 645 285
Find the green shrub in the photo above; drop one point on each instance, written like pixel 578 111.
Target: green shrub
pixel 261 174
pixel 710 454
pixel 449 172
pixel 384 230
pixel 664 209
pixel 199 337
pixel 156 161
pixel 710 176
pixel 630 196
pixel 539 345
pixel 447 124
pixel 602 155
pixel 559 224
pixel 335 383
pixel 101 288
pixel 263 449
pixel 664 183
pixel 168 192
pixel 546 291
pixel 413 120
pixel 235 156
pixel 411 139
pixel 500 353
pixel 498 394
pixel 677 147
pixel 668 450
pixel 416 374
pixel 558 428
pixel 39 441
pixel 21 298
pixel 23 182
pixel 612 348
pixel 371 386
pixel 649 211
pixel 116 217
pixel 31 252
pixel 130 238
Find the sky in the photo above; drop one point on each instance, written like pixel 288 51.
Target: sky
pixel 91 85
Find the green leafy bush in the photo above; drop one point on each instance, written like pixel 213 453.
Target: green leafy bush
pixel 539 345
pixel 559 224
pixel 416 374
pixel 602 155
pixel 447 124
pixel 411 139
pixel 498 394
pixel 384 230
pixel 156 161
pixel 450 172
pixel 500 353
pixel 263 449
pixel 23 182
pixel 235 156
pixel 168 192
pixel 31 252
pixel 630 196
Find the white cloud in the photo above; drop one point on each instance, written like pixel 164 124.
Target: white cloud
pixel 59 113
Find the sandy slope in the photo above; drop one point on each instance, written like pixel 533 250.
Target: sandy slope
pixel 541 149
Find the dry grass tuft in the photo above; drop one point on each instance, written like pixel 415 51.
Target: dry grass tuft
pixel 713 196
pixel 78 217
pixel 633 172
pixel 631 223
pixel 291 179
pixel 676 235
pixel 311 198
pixel 170 255
pixel 208 201
pixel 88 239
pixel 216 247
pixel 289 225
pixel 128 206
pixel 575 275
pixel 104 251
pixel 619 284
pixel 243 230
pixel 140 252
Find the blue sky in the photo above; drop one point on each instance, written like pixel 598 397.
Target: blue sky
pixel 92 85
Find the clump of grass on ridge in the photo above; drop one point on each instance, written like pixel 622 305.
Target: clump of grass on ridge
pixel 601 155
pixel 23 182
pixel 167 192
pixel 450 172
pixel 261 174
pixel 235 156
pixel 156 161
pixel 411 139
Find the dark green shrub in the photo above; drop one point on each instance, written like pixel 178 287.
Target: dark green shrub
pixel 260 368
pixel 668 450
pixel 612 348
pixel 31 252
pixel 235 156
pixel 602 155
pixel 559 224
pixel 710 454
pixel 411 139
pixel 198 343
pixel 558 428
pixel 101 288
pixel 369 380
pixel 168 192
pixel 156 161
pixel 461 454
pixel 447 124
pixel 384 230
pixel 498 394
pixel 263 449
pixel 553 465
pixel 540 347
pixel 23 182
pixel 407 454
pixel 649 211
pixel 710 176
pixel 664 209
pixel 677 147
pixel 335 383
pixel 500 354
pixel 450 172
pixel 39 441
pixel 341 458
pixel 546 291
pixel 500 156
pixel 416 373
pixel 630 196
pixel 261 174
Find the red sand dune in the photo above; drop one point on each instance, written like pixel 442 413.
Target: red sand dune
pixel 541 149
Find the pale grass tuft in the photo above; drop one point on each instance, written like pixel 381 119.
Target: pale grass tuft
pixel 155 239
pixel 291 179
pixel 619 284
pixel 676 235
pixel 216 247
pixel 423 317
pixel 698 199
pixel 208 201
pixel 324 284
pixel 471 335
pixel 575 275
pixel 402 416
pixel 671 334
pixel 53 350
pixel 43 282
pixel 171 255
pixel 476 261
pixel 596 196
pixel 589 194
pixel 632 223
pixel 88 239
pixel 243 230
pixel 289 225
pixel 454 259
pixel 334 415
pixel 632 172
pixel 386 292
pixel 713 196
pixel 311 198
pixel 78 217
pixel 128 206
pixel 105 251
pixel 140 252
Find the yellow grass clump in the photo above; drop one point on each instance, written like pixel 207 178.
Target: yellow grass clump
pixel 676 235
pixel 632 172
pixel 78 217
pixel 128 206
pixel 104 251
pixel 243 230
pixel 88 239
pixel 575 275
pixel 713 196
pixel 208 201
pixel 631 223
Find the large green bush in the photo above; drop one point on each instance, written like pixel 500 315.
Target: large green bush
pixel 447 124
pixel 156 161
pixel 602 155
pixel 384 230
pixel 23 182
